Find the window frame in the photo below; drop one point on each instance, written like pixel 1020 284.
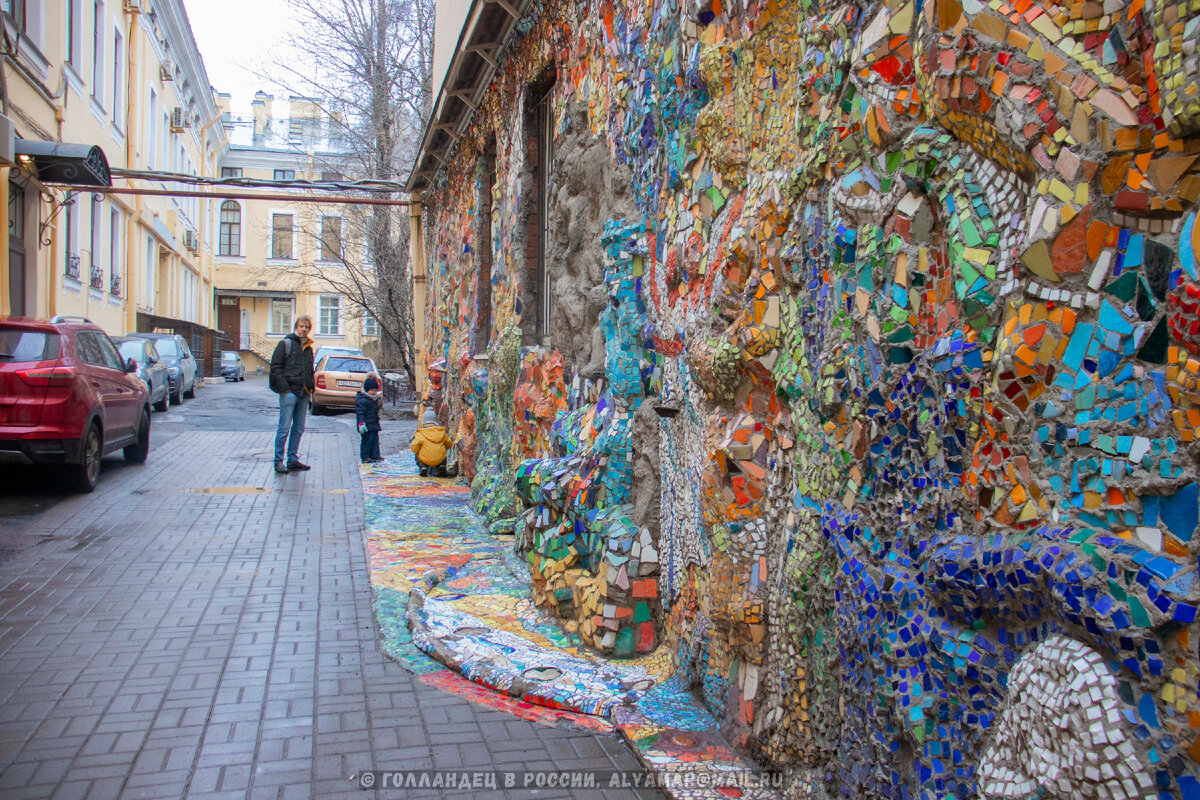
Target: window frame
pixel 341 240
pixel 370 325
pixel 119 106
pixel 336 330
pixel 284 175
pixel 74 49
pixel 116 233
pixel 98 50
pixel 271 254
pixel 226 242
pixel 286 327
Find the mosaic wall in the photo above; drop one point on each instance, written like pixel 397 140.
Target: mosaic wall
pixel 916 303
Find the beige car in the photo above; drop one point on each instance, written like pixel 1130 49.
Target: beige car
pixel 339 377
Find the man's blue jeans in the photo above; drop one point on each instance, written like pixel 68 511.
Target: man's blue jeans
pixel 292 411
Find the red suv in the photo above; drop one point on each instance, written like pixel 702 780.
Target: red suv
pixel 67 397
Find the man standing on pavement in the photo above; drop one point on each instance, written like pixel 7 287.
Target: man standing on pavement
pixel 292 380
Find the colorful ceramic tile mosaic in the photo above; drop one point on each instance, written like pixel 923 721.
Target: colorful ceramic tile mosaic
pixel 466 598
pixel 907 323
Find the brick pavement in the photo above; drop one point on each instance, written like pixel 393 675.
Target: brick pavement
pixel 159 640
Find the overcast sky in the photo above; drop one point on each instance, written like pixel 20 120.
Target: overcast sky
pixel 233 36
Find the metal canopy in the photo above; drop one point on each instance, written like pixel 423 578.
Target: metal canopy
pixel 54 162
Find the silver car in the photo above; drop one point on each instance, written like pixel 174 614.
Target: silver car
pixel 150 367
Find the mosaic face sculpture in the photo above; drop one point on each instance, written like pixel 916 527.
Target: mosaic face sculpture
pixel 920 294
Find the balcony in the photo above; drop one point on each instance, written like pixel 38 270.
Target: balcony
pixel 72 270
pixel 114 285
pixel 97 276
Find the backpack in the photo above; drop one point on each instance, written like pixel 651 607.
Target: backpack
pixel 287 353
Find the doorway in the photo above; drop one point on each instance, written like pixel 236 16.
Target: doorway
pixel 16 250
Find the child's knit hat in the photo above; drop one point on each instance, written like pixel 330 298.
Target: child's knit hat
pixel 370 384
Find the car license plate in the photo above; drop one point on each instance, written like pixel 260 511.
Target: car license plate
pixel 349 383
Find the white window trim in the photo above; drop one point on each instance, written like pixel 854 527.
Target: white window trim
pixel 368 320
pixel 271 257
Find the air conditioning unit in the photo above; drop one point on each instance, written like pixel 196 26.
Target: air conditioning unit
pixel 191 240
pixel 178 122
pixel 167 71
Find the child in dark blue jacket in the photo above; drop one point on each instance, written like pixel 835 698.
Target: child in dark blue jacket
pixel 366 413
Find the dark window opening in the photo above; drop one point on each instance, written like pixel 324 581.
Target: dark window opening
pixel 539 142
pixel 487 181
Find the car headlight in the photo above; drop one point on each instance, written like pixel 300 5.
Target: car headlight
pixel 173 371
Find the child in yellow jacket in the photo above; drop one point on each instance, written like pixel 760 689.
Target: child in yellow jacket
pixel 430 444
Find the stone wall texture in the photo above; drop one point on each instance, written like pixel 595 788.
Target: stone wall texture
pixel 870 383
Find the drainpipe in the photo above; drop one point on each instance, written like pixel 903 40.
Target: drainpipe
pixel 416 252
pixel 133 248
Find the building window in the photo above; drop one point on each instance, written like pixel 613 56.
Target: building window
pixel 483 279
pixel 281 236
pixel 370 325
pixel 331 175
pixel 285 174
pixel 331 238
pixel 73 28
pixel 118 91
pixel 539 139
pixel 71 262
pixel 231 229
pixel 98 52
pixel 151 134
pixel 96 272
pixel 281 317
pixel 114 252
pixel 330 323
pixel 148 289
pixel 231 172
pixel 15 9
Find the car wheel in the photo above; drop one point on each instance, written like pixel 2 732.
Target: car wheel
pixel 136 453
pixel 190 394
pixel 161 405
pixel 86 474
pixel 177 398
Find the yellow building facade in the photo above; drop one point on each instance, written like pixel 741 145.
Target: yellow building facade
pixel 279 259
pixel 124 76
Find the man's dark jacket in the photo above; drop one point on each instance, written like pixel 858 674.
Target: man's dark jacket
pixel 292 372
pixel 366 411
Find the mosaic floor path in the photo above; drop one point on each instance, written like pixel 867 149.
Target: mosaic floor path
pixel 453 605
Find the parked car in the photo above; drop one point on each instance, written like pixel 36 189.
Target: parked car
pixel 150 368
pixel 338 379
pixel 68 398
pixel 182 365
pixel 328 350
pixel 232 367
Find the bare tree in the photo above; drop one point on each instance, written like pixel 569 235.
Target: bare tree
pixel 367 65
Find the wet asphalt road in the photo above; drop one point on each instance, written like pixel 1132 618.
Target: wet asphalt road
pixel 246 406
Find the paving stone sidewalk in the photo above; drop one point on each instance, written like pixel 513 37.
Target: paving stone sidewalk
pixel 180 633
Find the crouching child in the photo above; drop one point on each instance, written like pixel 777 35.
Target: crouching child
pixel 366 414
pixel 430 444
